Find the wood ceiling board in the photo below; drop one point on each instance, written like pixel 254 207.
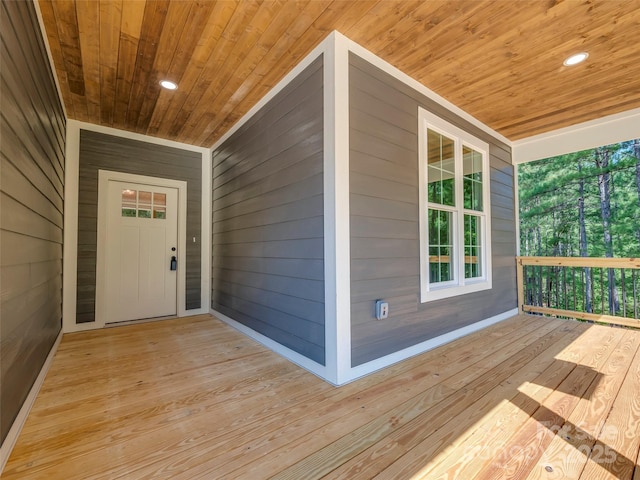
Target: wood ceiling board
pixel 499 61
pixel 194 80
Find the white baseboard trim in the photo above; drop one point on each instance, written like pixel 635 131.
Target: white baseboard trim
pixel 295 357
pixel 388 360
pixel 369 367
pixel 18 423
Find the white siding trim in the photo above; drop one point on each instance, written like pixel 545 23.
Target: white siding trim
pixel 583 136
pixel 18 423
pixel 337 252
pixel 70 245
pixel 206 242
pixel 388 360
pixel 291 355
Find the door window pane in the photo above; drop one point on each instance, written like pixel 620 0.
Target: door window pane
pixel 159 199
pixel 129 199
pixel 144 199
pixel 441 169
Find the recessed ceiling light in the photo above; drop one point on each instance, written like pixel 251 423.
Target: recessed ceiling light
pixel 575 59
pixel 168 85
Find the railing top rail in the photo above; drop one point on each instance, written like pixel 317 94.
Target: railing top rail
pixel 596 262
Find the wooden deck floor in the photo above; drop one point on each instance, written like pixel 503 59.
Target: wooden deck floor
pixel 192 398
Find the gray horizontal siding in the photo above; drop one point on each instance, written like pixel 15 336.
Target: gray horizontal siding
pixel 268 223
pixel 385 262
pixel 106 152
pixel 32 129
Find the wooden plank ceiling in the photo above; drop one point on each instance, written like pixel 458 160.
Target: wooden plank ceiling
pixel 501 61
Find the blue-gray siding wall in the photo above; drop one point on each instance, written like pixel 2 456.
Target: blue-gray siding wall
pixel 32 166
pixel 385 260
pixel 268 253
pixel 99 151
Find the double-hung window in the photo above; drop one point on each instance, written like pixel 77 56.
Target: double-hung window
pixel 455 256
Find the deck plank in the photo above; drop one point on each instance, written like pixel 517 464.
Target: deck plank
pixel 434 416
pixel 619 439
pixel 487 419
pixel 193 398
pixel 237 449
pixel 529 441
pixel 568 452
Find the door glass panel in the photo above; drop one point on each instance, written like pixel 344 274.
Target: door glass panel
pixel 159 199
pixel 143 204
pixel 159 205
pixel 129 196
pixel 129 202
pixel 144 199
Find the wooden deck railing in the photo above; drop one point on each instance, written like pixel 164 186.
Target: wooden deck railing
pixel 598 289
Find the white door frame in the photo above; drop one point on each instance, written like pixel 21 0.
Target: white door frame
pixel 104 176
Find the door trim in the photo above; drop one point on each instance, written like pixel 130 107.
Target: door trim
pixel 104 176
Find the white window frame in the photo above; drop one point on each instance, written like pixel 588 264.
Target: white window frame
pixel 460 285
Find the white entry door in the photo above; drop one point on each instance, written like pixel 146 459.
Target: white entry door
pixel 141 242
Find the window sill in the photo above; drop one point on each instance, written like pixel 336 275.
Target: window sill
pixel 448 292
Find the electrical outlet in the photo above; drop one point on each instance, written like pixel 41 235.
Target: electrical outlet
pixel 382 309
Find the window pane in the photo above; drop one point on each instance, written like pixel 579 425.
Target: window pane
pixel 144 199
pixel 472 246
pixel 159 212
pixel 144 213
pixel 472 166
pixel 128 212
pixel 441 171
pixel 129 199
pixel 159 199
pixel 440 246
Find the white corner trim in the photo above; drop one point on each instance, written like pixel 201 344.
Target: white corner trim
pixel 388 360
pixel 337 264
pixel 206 242
pixel 70 234
pixel 421 88
pixel 615 128
pixel 295 357
pixel 52 64
pixel 304 63
pixel 18 423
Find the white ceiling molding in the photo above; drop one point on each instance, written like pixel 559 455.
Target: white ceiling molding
pixel 582 136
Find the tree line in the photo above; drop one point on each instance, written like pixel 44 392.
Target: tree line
pixel 583 204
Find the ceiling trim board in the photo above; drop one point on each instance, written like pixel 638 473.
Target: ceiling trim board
pixel 607 130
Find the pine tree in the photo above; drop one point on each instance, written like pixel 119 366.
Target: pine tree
pixel 604 183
